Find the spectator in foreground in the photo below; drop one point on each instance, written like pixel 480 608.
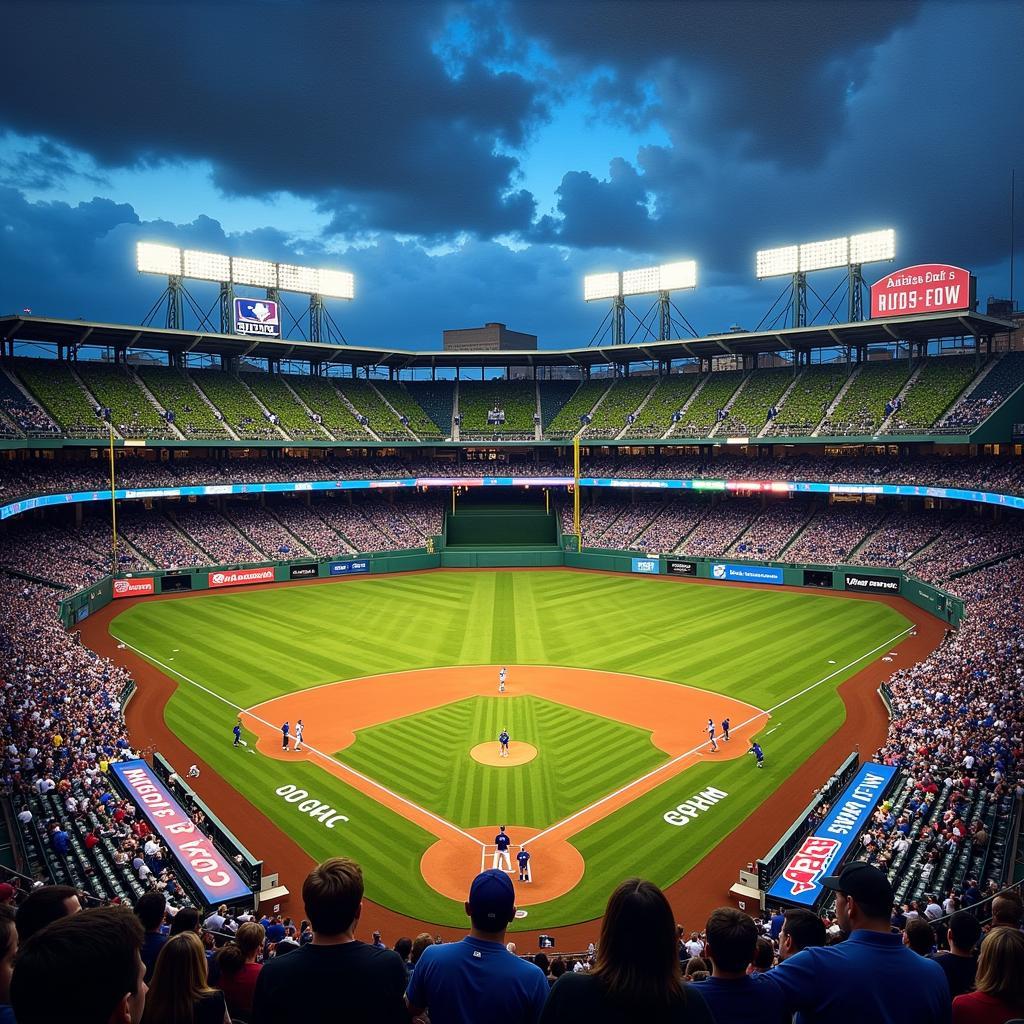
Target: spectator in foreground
pixel 238 970
pixel 95 958
pixel 478 979
pixel 919 937
pixel 150 911
pixel 764 956
pixel 999 995
pixel 180 992
pixel 185 920
pixel 1007 910
pixel 334 977
pixel 801 929
pixel 8 950
pixel 730 992
pixel 636 975
pixel 871 976
pixel 43 906
pixel 960 964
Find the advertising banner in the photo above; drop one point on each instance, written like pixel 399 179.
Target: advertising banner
pixel 301 572
pixel 677 568
pixel 925 288
pixel 346 568
pixel 646 565
pixel 822 853
pixel 240 577
pixel 868 581
pixel 211 871
pixel 134 588
pixel 260 317
pixel 746 573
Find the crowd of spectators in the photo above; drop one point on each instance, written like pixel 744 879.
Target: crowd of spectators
pixel 215 535
pixel 267 533
pixel 771 531
pixel 833 533
pixel 28 417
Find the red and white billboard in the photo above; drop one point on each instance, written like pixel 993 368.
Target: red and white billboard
pixel 240 577
pixel 926 288
pixel 134 588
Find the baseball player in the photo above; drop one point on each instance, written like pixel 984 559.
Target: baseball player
pixel 755 749
pixel 285 729
pixel 237 730
pixel 501 854
pixel 298 734
pixel 193 771
pixel 503 738
pixel 725 729
pixel 501 679
pixel 710 729
pixel 523 857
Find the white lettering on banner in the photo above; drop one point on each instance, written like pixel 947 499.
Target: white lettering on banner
pixel 689 809
pixel 850 817
pixel 321 812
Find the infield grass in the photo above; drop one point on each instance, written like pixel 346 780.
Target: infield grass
pixel 758 645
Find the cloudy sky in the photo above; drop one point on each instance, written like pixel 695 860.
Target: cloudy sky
pixel 472 161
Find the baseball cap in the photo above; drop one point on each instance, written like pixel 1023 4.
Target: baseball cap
pixel 492 900
pixel 864 882
pixel 6 891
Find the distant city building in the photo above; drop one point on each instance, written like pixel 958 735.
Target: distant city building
pixel 489 338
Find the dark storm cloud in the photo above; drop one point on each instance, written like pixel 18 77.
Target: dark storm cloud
pixel 323 100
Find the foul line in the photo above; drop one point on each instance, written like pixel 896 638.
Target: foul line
pixel 707 743
pixel 333 761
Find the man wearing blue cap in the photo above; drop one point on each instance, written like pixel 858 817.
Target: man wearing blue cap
pixel 477 979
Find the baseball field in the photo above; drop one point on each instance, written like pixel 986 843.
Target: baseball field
pixel 611 680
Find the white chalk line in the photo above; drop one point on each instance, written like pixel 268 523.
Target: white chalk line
pixel 326 757
pixel 707 743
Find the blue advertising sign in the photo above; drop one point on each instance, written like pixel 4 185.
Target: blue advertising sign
pixel 647 565
pixel 346 568
pixel 746 573
pixel 822 852
pixel 260 317
pixel 210 870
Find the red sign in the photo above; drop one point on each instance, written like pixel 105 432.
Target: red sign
pixel 809 863
pixel 134 588
pixel 241 577
pixel 926 288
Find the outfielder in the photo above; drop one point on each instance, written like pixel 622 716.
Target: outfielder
pixel 755 749
pixel 501 854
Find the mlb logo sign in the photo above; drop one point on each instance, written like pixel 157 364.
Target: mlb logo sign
pixel 810 863
pixel 257 316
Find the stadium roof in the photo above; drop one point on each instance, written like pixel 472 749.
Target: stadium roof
pixel 121 337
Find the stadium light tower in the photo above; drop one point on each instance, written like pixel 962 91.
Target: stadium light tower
pixel 851 252
pixel 661 281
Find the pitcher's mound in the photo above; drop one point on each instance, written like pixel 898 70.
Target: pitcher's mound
pixel 490 753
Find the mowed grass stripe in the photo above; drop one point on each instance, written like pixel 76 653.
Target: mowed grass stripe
pixel 758 645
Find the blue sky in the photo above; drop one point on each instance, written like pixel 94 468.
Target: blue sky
pixel 472 161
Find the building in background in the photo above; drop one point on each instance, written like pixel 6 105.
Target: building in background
pixel 489 338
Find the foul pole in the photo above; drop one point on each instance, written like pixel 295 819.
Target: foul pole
pixel 576 493
pixel 113 504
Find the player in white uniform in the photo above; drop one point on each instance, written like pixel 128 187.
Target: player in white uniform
pixel 298 734
pixel 501 679
pixel 710 727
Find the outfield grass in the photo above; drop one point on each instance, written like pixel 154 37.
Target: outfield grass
pixel 580 758
pixel 760 646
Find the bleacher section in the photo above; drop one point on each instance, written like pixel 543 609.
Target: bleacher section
pixel 703 412
pixel 566 422
pixel 749 413
pixel 437 399
pixel 240 410
pixel 131 411
pixel 177 394
pixel 553 396
pixel 862 409
pixel 671 394
pixel 405 405
pixel 1001 381
pixel 22 416
pixel 516 399
pixel 931 394
pixel 322 398
pixel 53 385
pixel 366 400
pixel 805 406
pixel 273 392
pixel 622 400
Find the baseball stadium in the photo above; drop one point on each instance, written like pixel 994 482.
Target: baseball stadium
pixel 702 595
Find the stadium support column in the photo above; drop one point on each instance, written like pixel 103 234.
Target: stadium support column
pixel 576 493
pixel 618 320
pixel 799 299
pixel 316 318
pixel 226 301
pixel 174 315
pixel 855 286
pixel 664 317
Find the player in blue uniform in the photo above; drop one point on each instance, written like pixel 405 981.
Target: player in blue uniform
pixel 501 854
pixel 285 729
pixel 755 749
pixel 523 857
pixel 503 740
pixel 237 730
pixel 725 730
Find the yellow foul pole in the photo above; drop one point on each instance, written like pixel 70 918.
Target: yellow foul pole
pixel 576 492
pixel 113 504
